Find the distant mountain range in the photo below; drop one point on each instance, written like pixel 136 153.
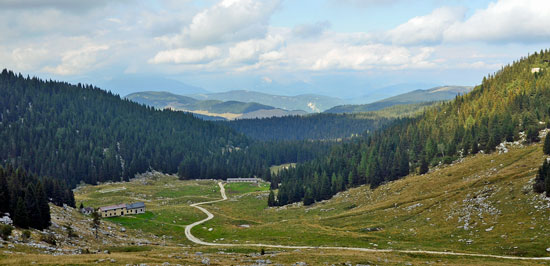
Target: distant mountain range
pixel 209 109
pixel 127 84
pixel 443 93
pixel 311 103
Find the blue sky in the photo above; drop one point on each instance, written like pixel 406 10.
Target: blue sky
pixel 342 48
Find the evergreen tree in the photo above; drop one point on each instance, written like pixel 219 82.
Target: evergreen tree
pixel 271 199
pixel 546 147
pixel 308 197
pixel 423 166
pixel 21 216
pixel 4 192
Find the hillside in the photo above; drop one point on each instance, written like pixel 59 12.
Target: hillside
pixel 310 103
pixel 216 108
pixel 82 133
pixel 309 127
pixel 324 126
pixel 414 97
pixel 508 106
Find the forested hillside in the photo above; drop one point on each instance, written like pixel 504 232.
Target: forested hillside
pixel 324 126
pixel 310 127
pixel 25 197
pixel 511 101
pixel 81 133
pixel 436 94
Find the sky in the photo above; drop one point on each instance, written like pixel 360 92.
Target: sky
pixel 342 48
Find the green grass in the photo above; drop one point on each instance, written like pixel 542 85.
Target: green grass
pixel 240 188
pixel 418 212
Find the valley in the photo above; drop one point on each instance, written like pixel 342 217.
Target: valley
pixel 479 205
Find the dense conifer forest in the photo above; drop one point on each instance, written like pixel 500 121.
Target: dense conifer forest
pixel 511 104
pixel 81 133
pixel 25 197
pixel 310 127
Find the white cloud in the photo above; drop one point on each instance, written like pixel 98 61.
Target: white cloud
pixel 77 61
pixel 365 57
pixel 250 50
pixel 426 29
pixel 227 21
pixel 505 21
pixel 187 56
pixel 29 58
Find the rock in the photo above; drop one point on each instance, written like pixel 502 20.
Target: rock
pixel 210 229
pixel 206 261
pixel 489 229
pixel 244 225
pixel 112 260
pixel 106 252
pixel 300 263
pixel 122 229
pixel 548 249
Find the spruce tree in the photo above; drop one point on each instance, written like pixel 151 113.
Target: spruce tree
pixel 308 197
pixel 423 166
pixel 42 199
pixel 20 216
pixel 546 147
pixel 271 199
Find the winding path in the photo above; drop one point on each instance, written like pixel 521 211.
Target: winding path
pixel 196 240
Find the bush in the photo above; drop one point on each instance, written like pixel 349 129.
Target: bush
pixel 5 231
pixel 49 238
pixel 26 235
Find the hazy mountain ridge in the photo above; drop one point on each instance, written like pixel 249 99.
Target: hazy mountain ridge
pixel 442 93
pixel 306 102
pixel 229 109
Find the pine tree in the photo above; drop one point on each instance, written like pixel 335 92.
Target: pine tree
pixel 271 199
pixel 308 197
pixel 4 192
pixel 423 166
pixel 42 199
pixel 546 147
pixel 20 216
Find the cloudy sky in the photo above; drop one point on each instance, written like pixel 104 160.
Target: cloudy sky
pixel 335 47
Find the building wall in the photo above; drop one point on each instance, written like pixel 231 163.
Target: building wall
pixel 113 213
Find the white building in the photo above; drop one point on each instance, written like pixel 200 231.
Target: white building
pixel 243 180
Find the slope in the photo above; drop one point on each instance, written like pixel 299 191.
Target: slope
pixel 304 102
pixel 417 96
pixel 81 133
pixel 511 105
pixel 226 109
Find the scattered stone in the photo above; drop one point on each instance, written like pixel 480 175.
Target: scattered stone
pixel 244 225
pixel 206 261
pixel 548 249
pixel 300 263
pixel 489 229
pixel 122 229
pixel 112 260
pixel 210 229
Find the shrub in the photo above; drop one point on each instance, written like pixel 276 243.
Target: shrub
pixel 49 238
pixel 26 235
pixel 5 231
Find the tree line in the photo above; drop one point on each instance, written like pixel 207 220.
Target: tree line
pixel 25 197
pixel 307 127
pixel 509 105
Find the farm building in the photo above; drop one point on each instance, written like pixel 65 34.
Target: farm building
pixel 87 210
pixel 113 210
pixel 135 208
pixel 122 209
pixel 243 180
